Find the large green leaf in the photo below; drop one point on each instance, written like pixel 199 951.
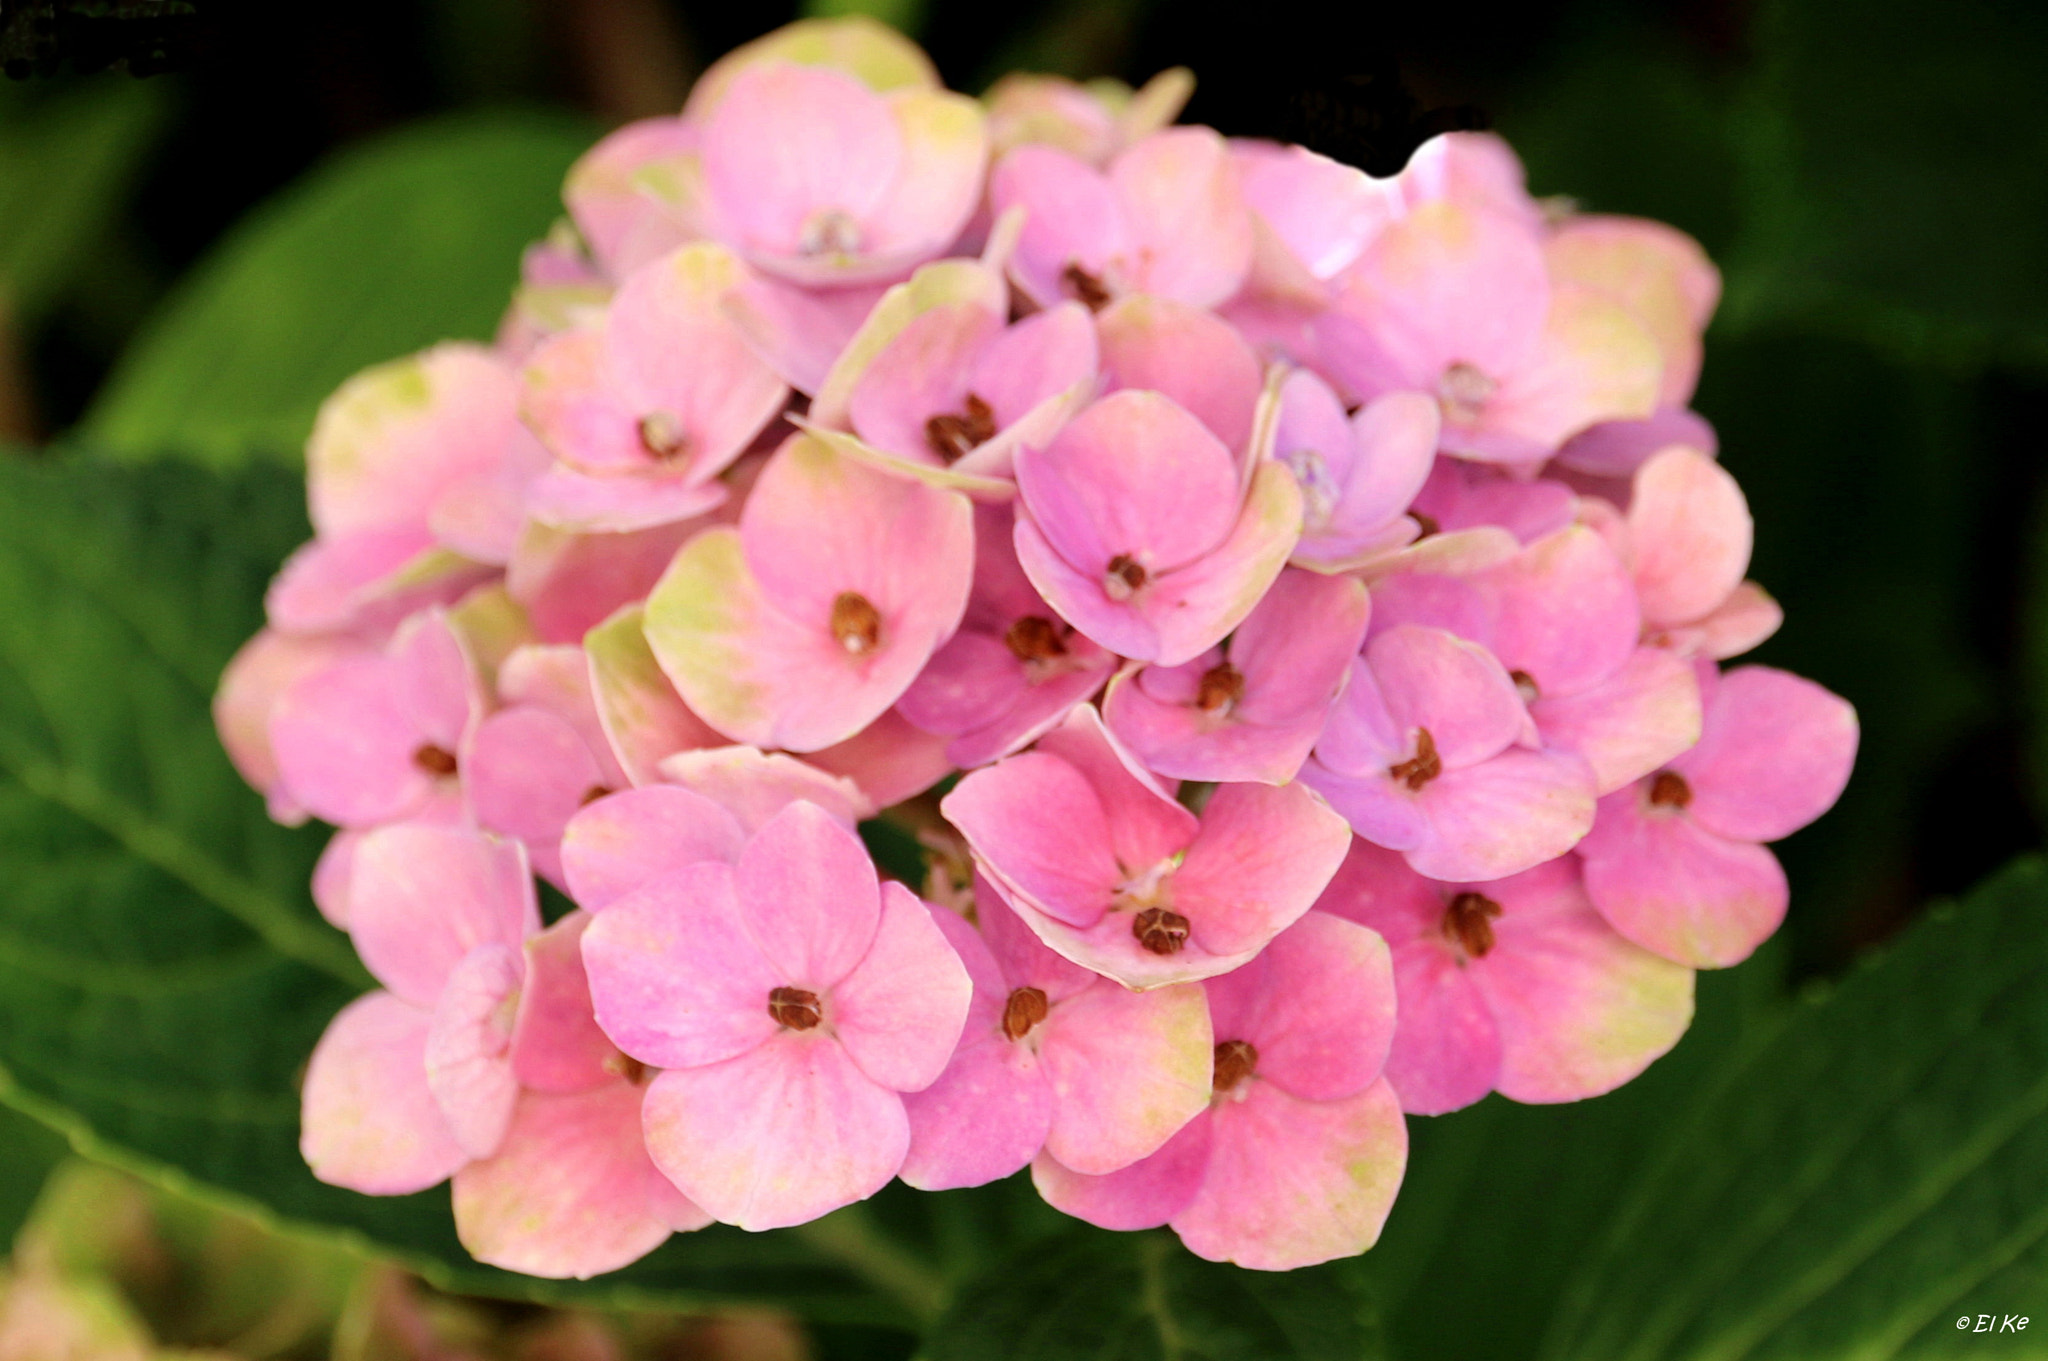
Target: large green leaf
pixel 28 1150
pixel 388 248
pixel 163 975
pixel 1850 1187
pixel 1137 1297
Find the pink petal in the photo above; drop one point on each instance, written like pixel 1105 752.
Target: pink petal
pixel 1580 1010
pixel 1447 1046
pixel 1452 689
pixel 789 141
pixel 331 877
pixel 1072 217
pixel 369 1121
pixel 571 583
pixel 556 1043
pixel 625 225
pixel 1036 360
pixel 1325 211
pixel 1143 1195
pixel 1746 618
pixel 1594 363
pixel 469 1065
pixel 985 1117
pixel 621 843
pixel 1064 861
pixel 421 898
pixel 1318 1006
pixel 364 581
pixel 900 1012
pixel 1291 1183
pixel 1689 530
pixel 1126 1069
pixel 1629 724
pixel 675 978
pixel 1024 959
pixel 1375 807
pixel 1145 824
pixel 528 772
pixel 799 332
pixel 1567 612
pixel 809 896
pixel 1190 231
pixel 782 1134
pixel 925 372
pixel 1776 753
pixel 572 1192
pixel 1263 856
pixel 1618 448
pixel 890 760
pixel 344 743
pixel 643 717
pixel 1182 742
pixel 581 503
pixel 1675 888
pixel 255 679
pixel 1295 648
pixel 1504 815
pixel 754 785
pixel 1185 354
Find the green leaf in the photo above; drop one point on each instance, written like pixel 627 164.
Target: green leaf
pixel 1875 1169
pixel 1127 1297
pixel 163 975
pixel 388 248
pixel 28 1151
pixel 1896 161
pixel 65 162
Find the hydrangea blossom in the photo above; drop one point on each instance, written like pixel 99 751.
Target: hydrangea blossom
pixel 1316 586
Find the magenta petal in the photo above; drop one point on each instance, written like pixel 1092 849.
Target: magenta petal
pixel 1504 815
pixel 469 1065
pixel 1263 856
pixel 572 1192
pixel 1292 1183
pixel 1143 1195
pixel 1447 1046
pixel 1127 1071
pixel 556 1043
pixel 780 1135
pixel 1676 889
pixel 809 897
pixel 1062 862
pixel 619 843
pixel 675 979
pixel 369 1121
pixel 900 1012
pixel 1776 753
pixel 421 898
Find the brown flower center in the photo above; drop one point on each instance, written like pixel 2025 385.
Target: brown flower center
pixel 1124 577
pixel 856 623
pixel 1463 393
pixel 831 231
pixel 1161 931
pixel 434 760
pixel 593 794
pixel 794 1009
pixel 1669 790
pixel 627 1067
pixel 1236 1060
pixel 663 437
pixel 1025 1009
pixel 1468 923
pixel 1426 523
pixel 1086 287
pixel 1526 686
pixel 1222 687
pixel 1035 638
pixel 1424 767
pixel 954 437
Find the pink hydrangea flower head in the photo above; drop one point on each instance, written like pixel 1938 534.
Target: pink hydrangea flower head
pixel 791 1000
pixel 1015 668
pixel 1253 708
pixel 541 756
pixel 1053 1058
pixel 1689 534
pixel 1461 496
pixel 1424 755
pixel 1358 474
pixel 259 674
pixel 372 737
pixel 1516 986
pixel 570 1191
pixel 891 759
pixel 644 407
pixel 1675 861
pixel 569 583
pixel 1474 169
pixel 870 51
pixel 1167 217
pixel 818 178
pixel 411 1082
pixel 754 785
pixel 808 621
pixel 1456 302
pixel 1090 122
pixel 1113 874
pixel 1136 528
pixel 1302 1148
pixel 939 387
pixel 643 718
pixel 1615 449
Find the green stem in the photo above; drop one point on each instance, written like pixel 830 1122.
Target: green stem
pixel 851 1236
